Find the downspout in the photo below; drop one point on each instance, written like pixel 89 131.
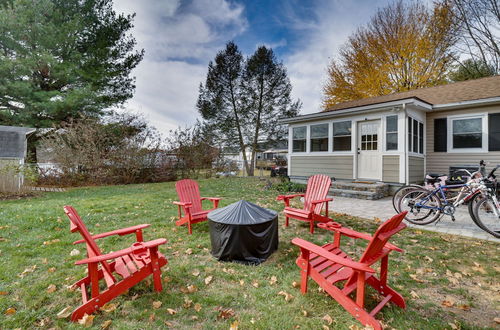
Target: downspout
pixel 405 134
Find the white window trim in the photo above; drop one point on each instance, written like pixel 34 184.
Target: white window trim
pixel 328 137
pixel 384 130
pixel 484 126
pixel 291 140
pixel 352 137
pixel 410 141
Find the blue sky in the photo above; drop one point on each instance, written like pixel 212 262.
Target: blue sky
pixel 181 37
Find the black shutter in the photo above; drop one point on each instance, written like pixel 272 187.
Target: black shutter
pixel 440 134
pixel 494 132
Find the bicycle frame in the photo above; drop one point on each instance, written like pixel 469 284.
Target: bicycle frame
pixel 440 189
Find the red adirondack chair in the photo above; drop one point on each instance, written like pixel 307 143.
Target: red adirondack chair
pixel 191 203
pixel 133 264
pixel 314 198
pixel 328 265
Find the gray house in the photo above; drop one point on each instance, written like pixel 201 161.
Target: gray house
pixel 397 138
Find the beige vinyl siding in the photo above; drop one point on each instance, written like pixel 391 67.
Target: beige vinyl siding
pixel 390 170
pixel 441 161
pixel 416 169
pixel 339 167
pixel 9 180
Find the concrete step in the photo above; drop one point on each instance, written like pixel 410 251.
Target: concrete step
pixel 359 194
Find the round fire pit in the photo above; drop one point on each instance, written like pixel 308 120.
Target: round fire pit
pixel 243 232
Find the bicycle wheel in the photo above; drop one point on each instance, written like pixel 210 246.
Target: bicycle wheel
pixel 400 193
pixel 423 207
pixel 485 217
pixel 471 204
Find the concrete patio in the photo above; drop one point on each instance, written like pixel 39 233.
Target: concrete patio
pixel 382 209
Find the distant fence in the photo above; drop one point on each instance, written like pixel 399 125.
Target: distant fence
pixel 10 179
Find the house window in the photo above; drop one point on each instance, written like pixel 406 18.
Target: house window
pixel 415 136
pixel 467 133
pixel 391 135
pixel 319 137
pixel 342 136
pixel 299 139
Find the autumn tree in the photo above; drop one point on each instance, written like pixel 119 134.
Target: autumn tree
pixel 404 46
pixel 242 99
pixel 479 27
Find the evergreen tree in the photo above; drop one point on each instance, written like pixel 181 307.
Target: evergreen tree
pixel 242 100
pixel 471 69
pixel 63 59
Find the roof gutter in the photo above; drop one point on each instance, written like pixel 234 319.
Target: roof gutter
pixel 365 108
pixel 463 104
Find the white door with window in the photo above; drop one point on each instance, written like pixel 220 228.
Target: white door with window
pixel 369 146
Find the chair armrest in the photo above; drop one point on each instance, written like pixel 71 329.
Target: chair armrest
pixel 121 232
pixel 185 204
pixel 330 256
pixel 283 197
pixel 114 255
pixel 324 200
pixel 211 198
pixel 354 234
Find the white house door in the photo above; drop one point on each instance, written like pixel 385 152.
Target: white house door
pixel 369 155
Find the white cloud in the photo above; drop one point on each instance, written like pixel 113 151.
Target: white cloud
pixel 179 39
pixel 321 40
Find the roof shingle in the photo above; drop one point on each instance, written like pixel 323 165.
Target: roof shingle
pixel 451 93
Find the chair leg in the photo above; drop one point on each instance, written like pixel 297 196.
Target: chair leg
pixel 286 221
pixel 190 229
pixel 155 265
pixel 311 226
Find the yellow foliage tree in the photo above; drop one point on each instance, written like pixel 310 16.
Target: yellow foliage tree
pixel 404 46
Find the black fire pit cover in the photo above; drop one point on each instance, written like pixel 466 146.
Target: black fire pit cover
pixel 243 232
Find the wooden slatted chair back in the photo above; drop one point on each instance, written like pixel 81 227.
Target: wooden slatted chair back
pixel 317 188
pixel 189 192
pixel 381 236
pixel 78 225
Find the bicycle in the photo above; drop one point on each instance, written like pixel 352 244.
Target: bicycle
pixel 426 206
pixel 486 211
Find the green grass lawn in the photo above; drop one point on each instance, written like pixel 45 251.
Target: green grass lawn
pixel 449 282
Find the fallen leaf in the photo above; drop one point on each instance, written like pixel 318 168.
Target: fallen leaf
pixel 152 317
pixel 208 279
pixel 478 268
pixel 156 304
pixel 497 320
pixel 252 320
pixel 51 269
pixel 86 320
pixel 197 307
pixel 295 284
pixel 325 327
pixel 187 302
pixel 109 307
pixel 168 324
pixel 429 259
pixel 448 302
pixel 106 324
pixel 273 280
pixel 51 242
pixel 196 273
pixel 28 270
pixel 255 284
pixel 305 313
pixel 66 312
pixel 414 295
pixel 45 261
pixel 464 307
pixel 3 293
pixel 453 280
pixel 10 311
pixel 135 296
pixel 242 282
pixel 328 319
pixel 189 251
pixel 225 313
pixel 74 252
pixel 416 278
pixel 287 296
pixel 453 326
pixel 171 311
pixel 51 288
pixel 234 326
